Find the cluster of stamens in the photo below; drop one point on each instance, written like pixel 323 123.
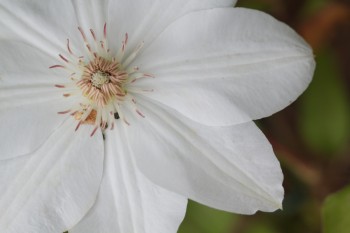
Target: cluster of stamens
pixel 101 80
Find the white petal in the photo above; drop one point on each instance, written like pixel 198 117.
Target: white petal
pixel 25 76
pixel 51 189
pixel 24 129
pixel 29 101
pixel 44 24
pixel 127 201
pixel 229 168
pixel 227 66
pixel 144 20
pixel 92 14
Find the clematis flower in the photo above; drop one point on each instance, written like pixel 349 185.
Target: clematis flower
pixel 113 113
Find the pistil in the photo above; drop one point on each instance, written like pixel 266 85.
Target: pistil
pixel 99 78
pixel 102 81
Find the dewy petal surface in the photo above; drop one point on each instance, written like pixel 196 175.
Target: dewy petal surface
pixel 128 201
pixel 229 168
pixel 144 20
pixel 29 100
pixel 227 66
pixel 50 190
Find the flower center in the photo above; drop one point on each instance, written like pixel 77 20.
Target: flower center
pixel 103 81
pixel 100 82
pixel 99 78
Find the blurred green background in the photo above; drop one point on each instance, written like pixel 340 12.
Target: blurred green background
pixel 311 137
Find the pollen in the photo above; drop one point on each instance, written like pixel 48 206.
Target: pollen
pixel 90 119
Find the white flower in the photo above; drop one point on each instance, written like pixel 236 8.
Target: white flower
pixel 113 129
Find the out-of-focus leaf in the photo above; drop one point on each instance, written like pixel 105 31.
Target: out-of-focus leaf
pixel 336 212
pixel 325 113
pixel 319 28
pixel 202 219
pixel 313 5
pixel 260 228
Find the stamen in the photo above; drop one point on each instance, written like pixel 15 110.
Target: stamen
pixel 57 66
pixel 105 31
pixel 125 42
pixel 64 112
pixel 89 48
pixel 93 34
pixel 149 75
pixel 63 58
pixel 102 82
pixel 94 131
pixel 140 113
pixel 59 86
pixel 138 76
pixel 82 34
pixel 68 47
pixel 78 125
pixel 120 53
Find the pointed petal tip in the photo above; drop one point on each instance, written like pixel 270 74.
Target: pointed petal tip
pixel 277 204
pixel 281 207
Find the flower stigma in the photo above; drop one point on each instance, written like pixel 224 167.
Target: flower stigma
pixel 99 78
pixel 100 81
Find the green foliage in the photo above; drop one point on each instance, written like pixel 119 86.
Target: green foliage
pixel 325 113
pixel 336 214
pixel 261 227
pixel 252 4
pixel 313 5
pixel 202 219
